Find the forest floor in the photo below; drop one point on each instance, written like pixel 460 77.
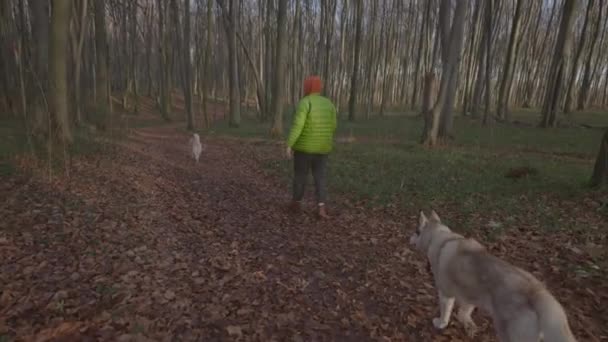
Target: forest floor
pixel 143 244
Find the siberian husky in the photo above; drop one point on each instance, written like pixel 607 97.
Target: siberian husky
pixel 521 307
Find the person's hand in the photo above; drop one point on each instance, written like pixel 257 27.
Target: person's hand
pixel 288 152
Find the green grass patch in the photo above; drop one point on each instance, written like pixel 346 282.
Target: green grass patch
pixel 249 128
pixel 416 176
pixel 386 164
pixel 574 141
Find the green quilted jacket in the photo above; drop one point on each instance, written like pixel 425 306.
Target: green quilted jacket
pixel 313 126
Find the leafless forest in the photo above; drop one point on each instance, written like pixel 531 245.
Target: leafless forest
pixel 483 58
pixel 493 112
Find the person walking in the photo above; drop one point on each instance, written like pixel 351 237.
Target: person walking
pixel 309 143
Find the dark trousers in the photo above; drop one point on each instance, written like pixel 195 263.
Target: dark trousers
pixel 302 164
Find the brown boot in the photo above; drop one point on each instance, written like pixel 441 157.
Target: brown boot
pixel 322 213
pixel 295 207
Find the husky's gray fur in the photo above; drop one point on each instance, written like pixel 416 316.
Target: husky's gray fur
pixel 521 307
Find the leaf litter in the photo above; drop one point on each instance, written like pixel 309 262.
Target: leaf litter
pixel 146 245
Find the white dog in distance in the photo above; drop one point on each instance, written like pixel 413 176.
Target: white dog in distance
pixel 197 148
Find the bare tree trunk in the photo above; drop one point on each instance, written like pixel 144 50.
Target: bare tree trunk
pixel 354 76
pixel 574 71
pixel 605 96
pixel 429 95
pixel 530 63
pixel 164 67
pixel 280 63
pixel 507 77
pixel 134 52
pixel 187 67
pixel 208 52
pixel 556 73
pixel 78 42
pixel 452 37
pixel 388 58
pixel 58 59
pixel 268 60
pixel 329 28
pixel 230 23
pixel 419 61
pixel 371 60
pixel 586 82
pixel 600 170
pixel 318 67
pixel 6 33
pixel 297 41
pixel 125 67
pixel 489 13
pixel 469 69
pixel 148 15
pixel 481 56
pixel 341 66
pixel 101 63
pixel 531 86
pixel 40 54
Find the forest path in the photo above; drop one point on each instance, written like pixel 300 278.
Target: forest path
pixel 146 244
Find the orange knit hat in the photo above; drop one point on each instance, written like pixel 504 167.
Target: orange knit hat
pixel 312 85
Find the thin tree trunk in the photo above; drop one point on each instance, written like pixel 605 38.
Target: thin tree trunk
pixel 208 52
pixel 586 82
pixel 6 32
pixel 371 60
pixel 531 87
pixel 40 54
pixel 423 37
pixel 454 57
pixel 230 22
pixel 164 67
pixel 451 37
pixel 469 68
pixel 58 60
pixel 507 77
pixel 148 14
pixel 187 67
pixel 481 68
pixel 488 63
pixel 280 63
pixel 101 63
pixel 297 36
pixel 429 95
pixel 574 70
pixel 388 58
pixel 600 170
pixel 125 78
pixel 531 60
pixel 77 49
pixel 341 67
pixel 354 76
pixel 134 82
pixel 268 60
pixel 328 40
pixel 556 72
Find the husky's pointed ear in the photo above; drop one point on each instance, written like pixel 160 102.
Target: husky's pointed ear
pixel 422 220
pixel 434 216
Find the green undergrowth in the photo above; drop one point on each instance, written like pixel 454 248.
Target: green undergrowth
pixel 386 164
pixel 570 141
pixel 413 175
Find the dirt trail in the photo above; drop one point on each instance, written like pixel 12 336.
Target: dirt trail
pixel 147 245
